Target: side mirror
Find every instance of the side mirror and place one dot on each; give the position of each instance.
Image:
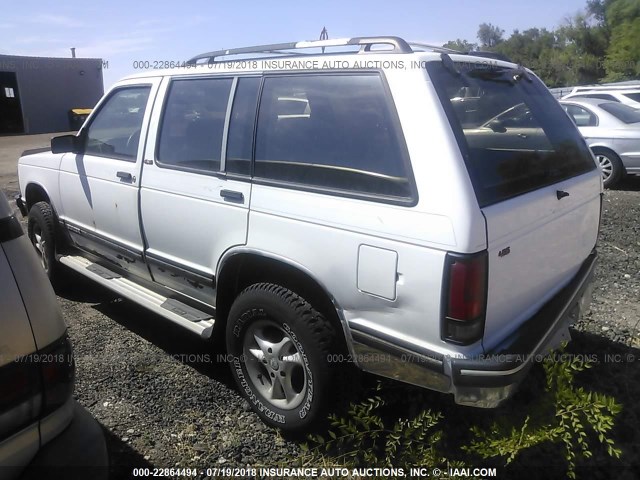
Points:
(497, 126)
(65, 144)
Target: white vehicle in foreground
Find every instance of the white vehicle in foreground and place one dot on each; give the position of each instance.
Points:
(371, 221)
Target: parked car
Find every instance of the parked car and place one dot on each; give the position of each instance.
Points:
(612, 130)
(626, 94)
(374, 228)
(41, 426)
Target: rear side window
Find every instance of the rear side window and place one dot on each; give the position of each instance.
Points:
(333, 132)
(624, 113)
(633, 96)
(514, 136)
(193, 122)
(581, 116)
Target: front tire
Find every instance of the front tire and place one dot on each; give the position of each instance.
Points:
(610, 166)
(279, 347)
(41, 233)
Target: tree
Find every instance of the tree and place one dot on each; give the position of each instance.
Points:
(600, 44)
(621, 20)
(489, 35)
(621, 11)
(461, 45)
(588, 43)
(597, 9)
(526, 47)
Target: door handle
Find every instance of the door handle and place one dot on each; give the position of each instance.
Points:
(561, 194)
(232, 195)
(126, 176)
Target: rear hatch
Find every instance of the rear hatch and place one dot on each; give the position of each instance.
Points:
(535, 180)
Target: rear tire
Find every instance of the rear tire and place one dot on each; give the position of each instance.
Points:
(610, 166)
(41, 233)
(279, 348)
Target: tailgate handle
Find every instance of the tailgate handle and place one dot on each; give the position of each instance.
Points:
(561, 194)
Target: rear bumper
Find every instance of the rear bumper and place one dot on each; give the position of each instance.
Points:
(79, 452)
(488, 379)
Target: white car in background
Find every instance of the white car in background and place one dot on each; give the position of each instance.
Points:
(627, 95)
(612, 131)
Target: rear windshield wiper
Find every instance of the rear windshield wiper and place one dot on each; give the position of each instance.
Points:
(508, 75)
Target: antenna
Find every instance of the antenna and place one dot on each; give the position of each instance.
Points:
(324, 35)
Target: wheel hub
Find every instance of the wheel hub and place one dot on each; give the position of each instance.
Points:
(274, 364)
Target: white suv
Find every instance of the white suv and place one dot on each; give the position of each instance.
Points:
(334, 207)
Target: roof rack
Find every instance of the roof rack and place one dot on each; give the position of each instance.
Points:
(366, 43)
(421, 47)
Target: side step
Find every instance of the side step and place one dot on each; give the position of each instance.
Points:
(188, 317)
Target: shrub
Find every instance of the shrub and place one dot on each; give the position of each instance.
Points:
(371, 433)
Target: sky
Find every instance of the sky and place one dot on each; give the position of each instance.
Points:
(125, 32)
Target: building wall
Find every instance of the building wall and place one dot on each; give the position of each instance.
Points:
(50, 87)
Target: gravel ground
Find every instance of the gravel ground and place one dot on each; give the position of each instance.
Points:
(166, 399)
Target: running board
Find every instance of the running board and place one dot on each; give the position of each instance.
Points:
(188, 317)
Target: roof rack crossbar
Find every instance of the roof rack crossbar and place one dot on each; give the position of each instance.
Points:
(399, 46)
(434, 48)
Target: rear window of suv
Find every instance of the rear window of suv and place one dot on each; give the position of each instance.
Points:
(514, 135)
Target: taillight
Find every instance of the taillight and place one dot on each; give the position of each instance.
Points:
(20, 398)
(465, 297)
(32, 386)
(58, 374)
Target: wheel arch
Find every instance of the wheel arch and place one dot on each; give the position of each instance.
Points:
(34, 193)
(603, 146)
(242, 267)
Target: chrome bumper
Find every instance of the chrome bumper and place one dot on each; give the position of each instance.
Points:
(487, 380)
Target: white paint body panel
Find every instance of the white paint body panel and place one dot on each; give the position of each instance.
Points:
(548, 240)
(185, 219)
(377, 271)
(92, 195)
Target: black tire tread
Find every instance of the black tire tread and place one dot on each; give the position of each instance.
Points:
(319, 334)
(319, 326)
(42, 211)
(619, 171)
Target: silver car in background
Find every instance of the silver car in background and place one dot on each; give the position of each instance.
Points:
(612, 131)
